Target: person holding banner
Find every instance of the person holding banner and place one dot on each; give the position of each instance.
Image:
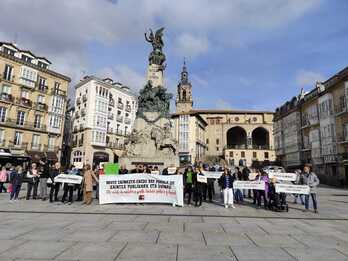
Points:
(54, 185)
(311, 179)
(198, 187)
(263, 193)
(69, 188)
(226, 183)
(89, 176)
(298, 181)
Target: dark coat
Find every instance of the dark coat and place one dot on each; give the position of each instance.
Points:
(223, 181)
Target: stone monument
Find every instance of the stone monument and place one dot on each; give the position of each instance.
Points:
(152, 141)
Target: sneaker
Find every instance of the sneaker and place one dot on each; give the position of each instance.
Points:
(316, 211)
(226, 206)
(232, 206)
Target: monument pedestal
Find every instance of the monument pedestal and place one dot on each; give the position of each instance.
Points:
(151, 143)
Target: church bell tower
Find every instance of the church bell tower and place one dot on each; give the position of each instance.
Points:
(184, 100)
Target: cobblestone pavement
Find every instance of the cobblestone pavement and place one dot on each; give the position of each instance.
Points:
(37, 230)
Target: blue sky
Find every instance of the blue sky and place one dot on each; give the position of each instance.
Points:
(240, 54)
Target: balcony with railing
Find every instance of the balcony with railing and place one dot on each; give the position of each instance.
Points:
(341, 107)
(42, 88)
(120, 105)
(128, 108)
(6, 97)
(20, 146)
(78, 100)
(75, 129)
(342, 137)
(51, 148)
(119, 118)
(127, 120)
(25, 102)
(58, 92)
(81, 127)
(83, 112)
(23, 125)
(36, 147)
(111, 102)
(80, 142)
(7, 78)
(40, 106)
(110, 116)
(115, 145)
(84, 97)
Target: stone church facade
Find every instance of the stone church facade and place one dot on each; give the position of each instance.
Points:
(238, 137)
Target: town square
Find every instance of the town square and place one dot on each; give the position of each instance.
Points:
(173, 130)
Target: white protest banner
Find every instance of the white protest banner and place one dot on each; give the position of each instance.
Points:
(141, 188)
(202, 179)
(212, 174)
(66, 178)
(282, 176)
(259, 185)
(292, 189)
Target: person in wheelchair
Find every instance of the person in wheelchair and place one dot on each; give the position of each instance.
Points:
(277, 201)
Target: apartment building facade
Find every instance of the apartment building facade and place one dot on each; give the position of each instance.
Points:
(321, 129)
(105, 112)
(32, 104)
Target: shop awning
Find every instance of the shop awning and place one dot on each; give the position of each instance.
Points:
(52, 156)
(4, 153)
(35, 156)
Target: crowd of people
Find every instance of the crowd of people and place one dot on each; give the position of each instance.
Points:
(269, 197)
(40, 177)
(40, 182)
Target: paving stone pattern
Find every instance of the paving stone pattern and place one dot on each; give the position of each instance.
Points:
(36, 230)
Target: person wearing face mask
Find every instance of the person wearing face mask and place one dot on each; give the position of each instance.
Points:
(310, 179)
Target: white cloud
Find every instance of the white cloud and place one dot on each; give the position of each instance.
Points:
(62, 30)
(124, 75)
(191, 46)
(308, 78)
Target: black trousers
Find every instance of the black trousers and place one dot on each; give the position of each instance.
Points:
(261, 194)
(68, 190)
(198, 195)
(2, 187)
(79, 192)
(204, 190)
(210, 190)
(54, 191)
(32, 186)
(188, 190)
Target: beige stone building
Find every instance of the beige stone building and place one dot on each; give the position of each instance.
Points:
(320, 129)
(104, 115)
(32, 104)
(242, 138)
(238, 137)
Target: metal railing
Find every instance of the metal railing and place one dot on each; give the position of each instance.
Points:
(120, 106)
(128, 108)
(119, 118)
(25, 125)
(22, 146)
(6, 97)
(115, 145)
(127, 120)
(40, 106)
